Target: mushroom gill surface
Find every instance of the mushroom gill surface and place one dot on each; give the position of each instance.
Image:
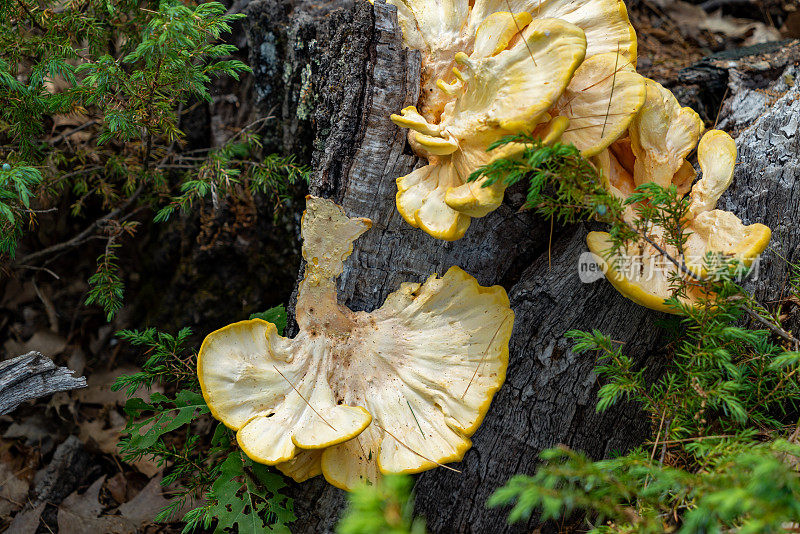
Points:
(356, 394)
(555, 70)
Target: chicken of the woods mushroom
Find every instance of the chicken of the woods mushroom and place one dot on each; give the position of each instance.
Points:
(641, 272)
(558, 70)
(356, 394)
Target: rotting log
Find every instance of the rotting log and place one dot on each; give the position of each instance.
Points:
(359, 74)
(31, 376)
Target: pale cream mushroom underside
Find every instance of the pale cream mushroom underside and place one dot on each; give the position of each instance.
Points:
(440, 29)
(356, 394)
(642, 274)
(541, 85)
(659, 139)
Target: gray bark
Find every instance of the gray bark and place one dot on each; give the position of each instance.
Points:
(762, 111)
(766, 185)
(31, 376)
(362, 74)
(718, 85)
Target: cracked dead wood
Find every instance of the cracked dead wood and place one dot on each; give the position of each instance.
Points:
(31, 376)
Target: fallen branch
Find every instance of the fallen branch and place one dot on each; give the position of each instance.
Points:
(31, 376)
(71, 132)
(775, 329)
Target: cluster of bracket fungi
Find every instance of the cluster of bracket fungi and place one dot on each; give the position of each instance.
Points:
(401, 389)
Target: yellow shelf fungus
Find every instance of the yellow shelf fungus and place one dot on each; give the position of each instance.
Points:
(356, 394)
(641, 272)
(559, 70)
(659, 138)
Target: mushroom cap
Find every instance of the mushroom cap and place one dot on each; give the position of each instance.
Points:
(494, 96)
(643, 275)
(492, 68)
(276, 401)
(600, 102)
(659, 139)
(605, 22)
(358, 394)
(662, 135)
(442, 28)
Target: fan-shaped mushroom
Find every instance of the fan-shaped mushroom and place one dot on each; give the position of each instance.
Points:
(642, 273)
(512, 72)
(440, 29)
(659, 138)
(354, 394)
(495, 96)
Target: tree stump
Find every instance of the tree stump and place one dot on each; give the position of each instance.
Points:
(360, 73)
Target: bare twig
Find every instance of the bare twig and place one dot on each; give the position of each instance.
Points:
(667, 255)
(85, 170)
(304, 399)
(684, 440)
(519, 30)
(34, 268)
(711, 5)
(52, 314)
(36, 212)
(69, 133)
(250, 126)
(374, 422)
(658, 435)
(775, 329)
(664, 444)
(483, 356)
(611, 95)
(81, 237)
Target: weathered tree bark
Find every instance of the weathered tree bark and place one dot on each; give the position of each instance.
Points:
(31, 376)
(762, 111)
(360, 75)
(766, 184)
(740, 73)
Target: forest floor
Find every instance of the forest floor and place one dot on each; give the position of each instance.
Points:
(60, 470)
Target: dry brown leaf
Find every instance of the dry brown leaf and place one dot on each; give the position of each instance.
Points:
(117, 486)
(756, 32)
(48, 343)
(71, 119)
(13, 491)
(27, 521)
(791, 27)
(107, 436)
(79, 514)
(691, 20)
(77, 361)
(146, 467)
(99, 388)
(17, 293)
(106, 439)
(146, 505)
(61, 400)
(33, 429)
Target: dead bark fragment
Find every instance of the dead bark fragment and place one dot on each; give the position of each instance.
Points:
(31, 376)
